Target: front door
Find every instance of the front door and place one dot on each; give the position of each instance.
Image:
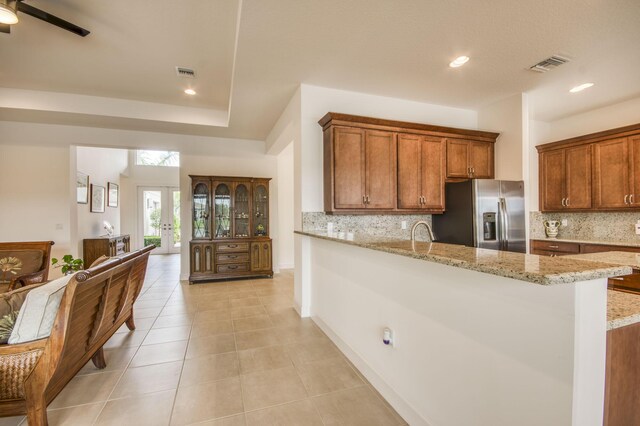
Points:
(159, 221)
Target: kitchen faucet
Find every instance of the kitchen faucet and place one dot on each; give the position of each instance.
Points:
(429, 230)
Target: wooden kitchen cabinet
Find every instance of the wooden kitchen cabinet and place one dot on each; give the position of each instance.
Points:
(366, 171)
(470, 159)
(595, 172)
(261, 256)
(420, 173)
(616, 173)
(565, 179)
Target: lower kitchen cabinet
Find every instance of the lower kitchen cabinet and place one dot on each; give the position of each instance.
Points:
(622, 377)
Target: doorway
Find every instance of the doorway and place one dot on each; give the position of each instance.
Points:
(159, 218)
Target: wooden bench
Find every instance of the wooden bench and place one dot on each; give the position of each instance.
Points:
(96, 302)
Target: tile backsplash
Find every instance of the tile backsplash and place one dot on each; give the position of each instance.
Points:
(374, 225)
(599, 226)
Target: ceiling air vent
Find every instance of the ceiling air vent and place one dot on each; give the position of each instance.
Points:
(549, 63)
(185, 72)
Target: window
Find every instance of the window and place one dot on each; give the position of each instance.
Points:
(157, 158)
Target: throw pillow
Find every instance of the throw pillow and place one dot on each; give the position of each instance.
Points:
(39, 311)
(98, 261)
(19, 262)
(13, 300)
(7, 322)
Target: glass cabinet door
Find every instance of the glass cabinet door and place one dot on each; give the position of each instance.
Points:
(241, 212)
(201, 211)
(260, 210)
(222, 211)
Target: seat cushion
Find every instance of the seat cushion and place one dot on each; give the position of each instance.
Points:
(39, 311)
(19, 262)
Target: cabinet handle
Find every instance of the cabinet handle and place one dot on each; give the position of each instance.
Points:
(368, 202)
(625, 199)
(232, 267)
(553, 247)
(631, 199)
(364, 199)
(562, 202)
(232, 257)
(567, 202)
(232, 245)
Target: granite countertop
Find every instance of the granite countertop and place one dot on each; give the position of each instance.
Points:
(603, 242)
(622, 309)
(532, 268)
(623, 258)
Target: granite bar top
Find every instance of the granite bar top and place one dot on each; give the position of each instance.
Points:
(602, 242)
(532, 268)
(622, 309)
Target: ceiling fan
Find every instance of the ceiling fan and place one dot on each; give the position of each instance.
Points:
(9, 15)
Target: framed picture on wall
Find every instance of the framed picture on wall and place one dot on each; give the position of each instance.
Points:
(97, 198)
(82, 188)
(113, 191)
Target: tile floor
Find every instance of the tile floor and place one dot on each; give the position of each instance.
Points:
(218, 354)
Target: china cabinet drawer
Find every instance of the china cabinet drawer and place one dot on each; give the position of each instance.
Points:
(235, 247)
(234, 267)
(232, 258)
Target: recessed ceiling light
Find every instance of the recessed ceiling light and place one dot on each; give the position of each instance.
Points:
(581, 87)
(190, 92)
(7, 14)
(459, 61)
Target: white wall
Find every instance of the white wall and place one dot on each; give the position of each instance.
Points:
(249, 163)
(103, 165)
(471, 348)
(285, 207)
(134, 177)
(507, 118)
(35, 195)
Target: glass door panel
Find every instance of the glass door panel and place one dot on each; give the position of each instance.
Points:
(260, 211)
(176, 234)
(152, 218)
(241, 211)
(222, 211)
(200, 211)
(160, 219)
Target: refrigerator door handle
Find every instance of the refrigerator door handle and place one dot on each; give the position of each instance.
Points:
(504, 224)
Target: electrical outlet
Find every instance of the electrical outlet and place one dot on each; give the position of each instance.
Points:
(564, 222)
(403, 224)
(59, 227)
(638, 227)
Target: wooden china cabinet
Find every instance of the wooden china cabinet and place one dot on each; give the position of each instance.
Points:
(230, 228)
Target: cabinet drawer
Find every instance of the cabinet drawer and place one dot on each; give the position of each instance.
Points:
(627, 283)
(556, 246)
(232, 247)
(232, 258)
(232, 267)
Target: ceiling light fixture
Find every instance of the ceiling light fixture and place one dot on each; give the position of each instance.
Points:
(190, 92)
(7, 14)
(581, 87)
(459, 61)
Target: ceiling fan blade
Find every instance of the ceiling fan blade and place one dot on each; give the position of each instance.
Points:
(5, 28)
(54, 20)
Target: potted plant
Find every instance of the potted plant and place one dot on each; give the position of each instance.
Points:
(69, 265)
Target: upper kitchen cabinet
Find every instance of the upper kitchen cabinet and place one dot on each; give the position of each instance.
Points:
(420, 173)
(385, 166)
(600, 171)
(470, 159)
(565, 179)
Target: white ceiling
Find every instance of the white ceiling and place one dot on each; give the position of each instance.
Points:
(390, 48)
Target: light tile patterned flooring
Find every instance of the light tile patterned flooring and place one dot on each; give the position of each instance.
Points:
(218, 354)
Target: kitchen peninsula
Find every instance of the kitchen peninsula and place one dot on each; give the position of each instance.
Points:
(512, 338)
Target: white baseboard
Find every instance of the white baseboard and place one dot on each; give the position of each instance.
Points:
(287, 266)
(184, 277)
(403, 408)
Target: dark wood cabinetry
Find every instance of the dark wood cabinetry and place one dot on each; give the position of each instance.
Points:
(230, 215)
(93, 248)
(470, 159)
(384, 166)
(599, 172)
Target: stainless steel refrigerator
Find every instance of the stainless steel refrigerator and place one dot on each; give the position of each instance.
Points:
(483, 213)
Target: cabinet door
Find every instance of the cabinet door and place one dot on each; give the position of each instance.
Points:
(611, 173)
(409, 158)
(481, 159)
(261, 256)
(349, 168)
(432, 173)
(457, 158)
(552, 180)
(578, 177)
(202, 258)
(380, 151)
(634, 170)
